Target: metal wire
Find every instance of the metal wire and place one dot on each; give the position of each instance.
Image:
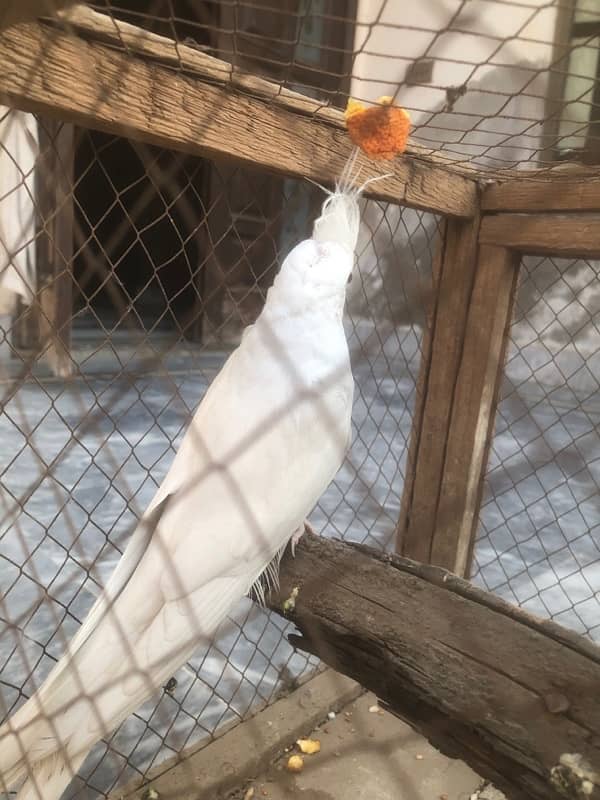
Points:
(138, 268)
(502, 85)
(171, 258)
(538, 542)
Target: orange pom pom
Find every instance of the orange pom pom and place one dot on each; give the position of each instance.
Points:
(381, 131)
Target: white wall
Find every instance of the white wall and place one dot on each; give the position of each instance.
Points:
(18, 152)
(498, 67)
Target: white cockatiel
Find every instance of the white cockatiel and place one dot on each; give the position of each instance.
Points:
(264, 444)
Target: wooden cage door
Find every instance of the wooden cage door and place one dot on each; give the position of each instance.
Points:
(457, 393)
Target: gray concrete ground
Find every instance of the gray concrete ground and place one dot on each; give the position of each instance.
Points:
(367, 754)
(80, 459)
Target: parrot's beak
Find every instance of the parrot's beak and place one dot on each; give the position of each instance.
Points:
(349, 278)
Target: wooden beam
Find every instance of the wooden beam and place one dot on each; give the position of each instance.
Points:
(43, 69)
(421, 388)
(54, 251)
(161, 49)
(13, 12)
(437, 384)
(569, 235)
(474, 408)
(528, 196)
(486, 682)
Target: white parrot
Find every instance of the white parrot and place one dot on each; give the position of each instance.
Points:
(264, 444)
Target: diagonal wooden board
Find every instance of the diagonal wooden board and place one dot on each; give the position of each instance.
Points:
(47, 69)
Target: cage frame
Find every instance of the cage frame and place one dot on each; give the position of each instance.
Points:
(476, 268)
(489, 224)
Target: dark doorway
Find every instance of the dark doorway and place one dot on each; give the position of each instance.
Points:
(138, 216)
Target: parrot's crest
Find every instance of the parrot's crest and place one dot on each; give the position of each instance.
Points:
(340, 216)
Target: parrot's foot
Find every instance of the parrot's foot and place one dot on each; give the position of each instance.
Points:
(296, 536)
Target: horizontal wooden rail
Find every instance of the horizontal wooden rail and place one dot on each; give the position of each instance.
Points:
(46, 69)
(554, 194)
(568, 235)
(515, 697)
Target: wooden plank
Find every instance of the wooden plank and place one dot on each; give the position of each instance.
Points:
(484, 681)
(474, 405)
(569, 235)
(13, 12)
(46, 70)
(556, 194)
(54, 246)
(421, 389)
(192, 61)
(439, 371)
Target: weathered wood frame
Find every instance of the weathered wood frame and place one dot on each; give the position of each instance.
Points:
(484, 681)
(143, 86)
(131, 82)
(84, 70)
(173, 96)
(463, 353)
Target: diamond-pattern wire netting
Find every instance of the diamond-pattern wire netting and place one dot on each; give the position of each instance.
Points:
(539, 538)
(495, 84)
(171, 257)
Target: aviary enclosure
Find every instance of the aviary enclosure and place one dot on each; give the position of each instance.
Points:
(156, 161)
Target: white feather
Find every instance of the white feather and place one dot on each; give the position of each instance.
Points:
(265, 442)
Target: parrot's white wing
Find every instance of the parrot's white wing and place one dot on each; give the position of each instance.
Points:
(267, 439)
(138, 543)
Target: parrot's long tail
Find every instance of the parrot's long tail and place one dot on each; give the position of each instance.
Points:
(340, 215)
(50, 777)
(29, 750)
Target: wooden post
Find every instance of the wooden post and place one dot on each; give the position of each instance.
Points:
(43, 329)
(439, 368)
(458, 391)
(474, 408)
(54, 252)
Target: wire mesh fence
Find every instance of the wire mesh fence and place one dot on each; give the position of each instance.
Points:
(171, 258)
(538, 543)
(129, 272)
(492, 84)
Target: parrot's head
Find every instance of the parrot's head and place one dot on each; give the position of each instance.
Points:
(315, 271)
(318, 269)
(340, 216)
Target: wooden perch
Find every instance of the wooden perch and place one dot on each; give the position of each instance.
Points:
(135, 91)
(516, 697)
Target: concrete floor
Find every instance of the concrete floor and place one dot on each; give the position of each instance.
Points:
(368, 755)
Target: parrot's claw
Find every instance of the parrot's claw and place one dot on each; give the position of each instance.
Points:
(296, 536)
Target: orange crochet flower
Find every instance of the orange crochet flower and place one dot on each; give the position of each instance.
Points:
(381, 131)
